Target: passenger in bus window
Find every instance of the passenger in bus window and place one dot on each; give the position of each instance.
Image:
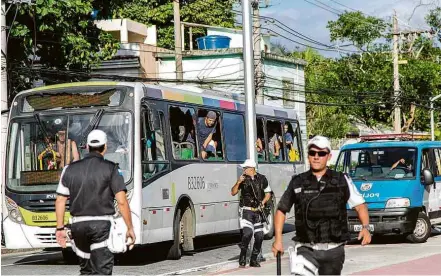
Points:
(288, 136)
(274, 147)
(206, 130)
(67, 150)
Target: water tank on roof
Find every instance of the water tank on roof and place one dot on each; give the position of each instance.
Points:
(213, 42)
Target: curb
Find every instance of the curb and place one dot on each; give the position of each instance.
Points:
(24, 252)
(219, 267)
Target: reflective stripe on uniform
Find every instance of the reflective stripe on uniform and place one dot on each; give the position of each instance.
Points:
(79, 252)
(98, 245)
(246, 223)
(90, 218)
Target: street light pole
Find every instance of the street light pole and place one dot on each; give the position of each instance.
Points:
(248, 61)
(432, 120)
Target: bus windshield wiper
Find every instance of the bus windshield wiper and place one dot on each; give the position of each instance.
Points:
(93, 123)
(43, 129)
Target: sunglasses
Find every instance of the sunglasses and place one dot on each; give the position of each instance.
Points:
(320, 153)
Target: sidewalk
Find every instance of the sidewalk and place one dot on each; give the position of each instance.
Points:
(424, 266)
(375, 259)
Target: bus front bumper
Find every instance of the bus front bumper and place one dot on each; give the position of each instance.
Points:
(386, 221)
(20, 236)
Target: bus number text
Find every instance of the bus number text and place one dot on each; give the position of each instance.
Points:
(196, 183)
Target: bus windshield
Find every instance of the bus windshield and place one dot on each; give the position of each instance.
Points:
(379, 163)
(42, 145)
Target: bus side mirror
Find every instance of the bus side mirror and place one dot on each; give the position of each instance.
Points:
(427, 177)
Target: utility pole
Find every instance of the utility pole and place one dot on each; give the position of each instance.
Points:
(178, 47)
(250, 114)
(257, 52)
(397, 112)
(4, 99)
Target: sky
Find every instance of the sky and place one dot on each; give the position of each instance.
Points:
(311, 20)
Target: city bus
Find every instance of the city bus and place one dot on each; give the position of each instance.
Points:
(153, 134)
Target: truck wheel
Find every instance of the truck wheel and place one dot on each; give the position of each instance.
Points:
(270, 234)
(422, 229)
(69, 256)
(175, 251)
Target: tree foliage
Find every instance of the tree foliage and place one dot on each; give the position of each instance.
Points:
(362, 84)
(357, 28)
(58, 34)
(160, 13)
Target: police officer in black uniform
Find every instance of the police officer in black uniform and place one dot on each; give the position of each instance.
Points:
(319, 197)
(255, 192)
(92, 184)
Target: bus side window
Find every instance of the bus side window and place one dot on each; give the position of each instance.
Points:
(182, 129)
(261, 142)
(291, 135)
(209, 135)
(234, 135)
(275, 141)
(153, 149)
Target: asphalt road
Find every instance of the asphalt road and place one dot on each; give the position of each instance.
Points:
(210, 252)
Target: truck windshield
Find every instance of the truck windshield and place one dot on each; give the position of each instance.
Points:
(380, 163)
(41, 146)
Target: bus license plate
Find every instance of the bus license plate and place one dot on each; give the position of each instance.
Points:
(40, 217)
(358, 227)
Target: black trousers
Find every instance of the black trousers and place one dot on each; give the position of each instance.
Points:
(97, 261)
(251, 223)
(328, 262)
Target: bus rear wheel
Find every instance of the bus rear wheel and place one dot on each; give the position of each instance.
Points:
(270, 217)
(422, 229)
(182, 233)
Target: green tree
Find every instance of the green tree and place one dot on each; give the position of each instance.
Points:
(58, 35)
(357, 28)
(160, 13)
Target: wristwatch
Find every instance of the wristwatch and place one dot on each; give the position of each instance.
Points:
(59, 229)
(366, 227)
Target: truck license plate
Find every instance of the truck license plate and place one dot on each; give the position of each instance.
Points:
(358, 227)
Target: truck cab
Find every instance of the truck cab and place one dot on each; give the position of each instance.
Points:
(400, 182)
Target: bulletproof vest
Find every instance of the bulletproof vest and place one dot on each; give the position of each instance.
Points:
(320, 208)
(247, 197)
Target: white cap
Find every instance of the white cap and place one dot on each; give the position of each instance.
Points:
(320, 142)
(248, 164)
(96, 138)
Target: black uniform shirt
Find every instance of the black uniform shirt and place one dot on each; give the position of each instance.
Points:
(91, 184)
(289, 196)
(260, 185)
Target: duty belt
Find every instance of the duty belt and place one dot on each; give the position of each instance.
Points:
(89, 218)
(250, 208)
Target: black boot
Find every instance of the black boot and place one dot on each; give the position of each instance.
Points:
(242, 258)
(253, 261)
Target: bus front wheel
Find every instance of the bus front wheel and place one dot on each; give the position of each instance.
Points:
(422, 229)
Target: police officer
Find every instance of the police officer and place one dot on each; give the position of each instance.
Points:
(92, 184)
(255, 192)
(319, 197)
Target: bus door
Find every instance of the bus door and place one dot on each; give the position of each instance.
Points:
(157, 190)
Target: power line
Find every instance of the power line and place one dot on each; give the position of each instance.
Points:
(323, 8)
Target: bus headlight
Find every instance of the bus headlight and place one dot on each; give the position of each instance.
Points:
(398, 202)
(13, 211)
(129, 195)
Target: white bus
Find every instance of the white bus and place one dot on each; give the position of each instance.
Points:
(153, 135)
